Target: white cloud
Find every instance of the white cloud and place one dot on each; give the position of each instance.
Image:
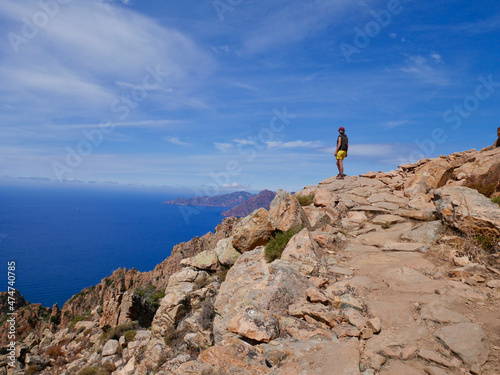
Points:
(294, 144)
(425, 71)
(177, 141)
(437, 57)
(395, 124)
(243, 141)
(224, 147)
(235, 185)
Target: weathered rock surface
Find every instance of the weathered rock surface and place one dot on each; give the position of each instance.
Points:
(287, 213)
(254, 230)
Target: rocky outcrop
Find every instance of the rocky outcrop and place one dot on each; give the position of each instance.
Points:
(261, 200)
(369, 285)
(467, 210)
(226, 200)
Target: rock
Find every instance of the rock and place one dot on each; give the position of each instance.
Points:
(435, 371)
(320, 218)
(493, 284)
(206, 260)
(302, 248)
(484, 167)
(416, 214)
(347, 301)
(467, 210)
(298, 329)
(399, 368)
(287, 213)
(371, 209)
(428, 177)
(235, 357)
(346, 330)
(406, 246)
(428, 233)
(111, 348)
(374, 324)
(366, 333)
(432, 356)
(253, 231)
(369, 175)
(255, 324)
(315, 295)
(226, 253)
(354, 220)
(355, 318)
(439, 314)
(325, 198)
(318, 312)
(197, 368)
(466, 340)
(332, 358)
(386, 220)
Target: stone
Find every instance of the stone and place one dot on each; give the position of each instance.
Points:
(432, 356)
(406, 246)
(399, 368)
(428, 177)
(315, 295)
(467, 210)
(318, 312)
(111, 348)
(298, 329)
(435, 371)
(493, 284)
(387, 205)
(374, 324)
(206, 260)
(440, 314)
(466, 340)
(253, 231)
(286, 212)
(346, 330)
(325, 198)
(371, 209)
(226, 253)
(301, 247)
(387, 220)
(355, 318)
(197, 368)
(235, 357)
(347, 301)
(333, 358)
(255, 324)
(428, 233)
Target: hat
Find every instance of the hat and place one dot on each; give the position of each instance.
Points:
(341, 129)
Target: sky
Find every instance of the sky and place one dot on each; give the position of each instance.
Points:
(214, 96)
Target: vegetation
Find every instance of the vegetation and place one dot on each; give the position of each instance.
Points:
(496, 200)
(130, 335)
(92, 370)
(150, 295)
(75, 320)
(277, 244)
(120, 330)
(305, 200)
(222, 272)
(55, 352)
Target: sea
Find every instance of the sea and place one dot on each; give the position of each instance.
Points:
(64, 239)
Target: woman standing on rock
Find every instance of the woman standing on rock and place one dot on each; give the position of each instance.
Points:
(341, 152)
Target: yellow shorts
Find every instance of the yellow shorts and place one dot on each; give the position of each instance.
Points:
(341, 155)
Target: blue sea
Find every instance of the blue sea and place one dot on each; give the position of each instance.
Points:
(64, 239)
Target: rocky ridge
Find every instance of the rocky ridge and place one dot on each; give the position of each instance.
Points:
(378, 281)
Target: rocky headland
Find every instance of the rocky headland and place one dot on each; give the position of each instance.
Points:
(391, 273)
(226, 200)
(261, 200)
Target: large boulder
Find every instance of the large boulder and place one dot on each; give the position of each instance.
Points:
(301, 248)
(253, 231)
(287, 213)
(483, 168)
(226, 253)
(467, 210)
(428, 177)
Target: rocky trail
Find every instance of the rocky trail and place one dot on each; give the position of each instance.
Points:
(384, 275)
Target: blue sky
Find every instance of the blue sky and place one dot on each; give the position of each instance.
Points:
(216, 96)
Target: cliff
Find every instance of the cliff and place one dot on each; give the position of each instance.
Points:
(227, 200)
(385, 273)
(261, 200)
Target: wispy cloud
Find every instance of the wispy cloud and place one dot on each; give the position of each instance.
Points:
(177, 141)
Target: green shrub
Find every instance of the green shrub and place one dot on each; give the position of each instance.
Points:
(277, 244)
(118, 331)
(305, 200)
(496, 200)
(150, 295)
(75, 320)
(91, 370)
(130, 335)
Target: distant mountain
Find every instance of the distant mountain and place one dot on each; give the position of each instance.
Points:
(261, 200)
(227, 200)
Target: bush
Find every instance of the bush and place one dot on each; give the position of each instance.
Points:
(55, 352)
(277, 244)
(75, 320)
(91, 370)
(150, 295)
(305, 200)
(130, 335)
(118, 331)
(496, 200)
